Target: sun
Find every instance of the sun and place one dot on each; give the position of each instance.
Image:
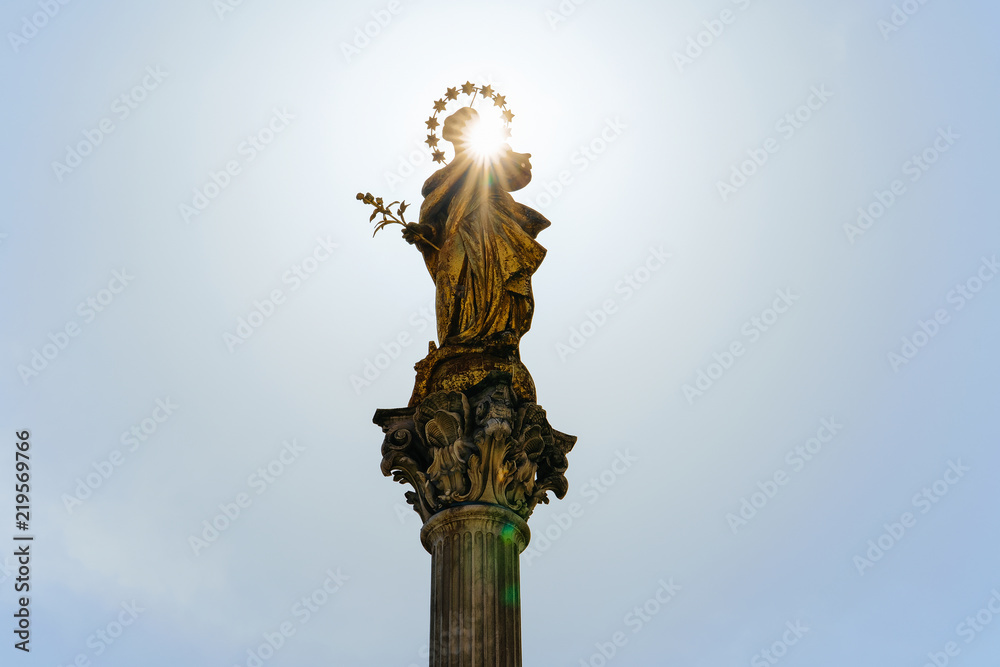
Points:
(485, 138)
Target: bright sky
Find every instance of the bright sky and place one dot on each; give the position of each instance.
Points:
(767, 311)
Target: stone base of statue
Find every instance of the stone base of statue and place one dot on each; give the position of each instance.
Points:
(479, 454)
(456, 367)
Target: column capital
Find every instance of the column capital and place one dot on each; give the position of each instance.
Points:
(478, 445)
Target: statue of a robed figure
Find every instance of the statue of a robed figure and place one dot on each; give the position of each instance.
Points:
(477, 449)
(479, 247)
(484, 250)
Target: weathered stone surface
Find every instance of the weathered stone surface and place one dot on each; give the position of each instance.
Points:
(461, 367)
(484, 444)
(475, 578)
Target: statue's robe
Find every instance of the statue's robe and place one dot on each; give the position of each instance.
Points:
(487, 249)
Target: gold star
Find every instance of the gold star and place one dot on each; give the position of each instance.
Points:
(452, 94)
(431, 140)
(468, 88)
(432, 123)
(438, 156)
(499, 100)
(486, 91)
(508, 114)
(439, 105)
(506, 132)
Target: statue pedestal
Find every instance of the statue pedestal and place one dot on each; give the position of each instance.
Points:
(475, 585)
(479, 458)
(459, 367)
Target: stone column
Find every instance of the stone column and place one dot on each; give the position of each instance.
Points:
(475, 585)
(479, 459)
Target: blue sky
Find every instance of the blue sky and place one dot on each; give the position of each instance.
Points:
(711, 312)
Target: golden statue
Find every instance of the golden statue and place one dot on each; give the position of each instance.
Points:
(479, 247)
(484, 250)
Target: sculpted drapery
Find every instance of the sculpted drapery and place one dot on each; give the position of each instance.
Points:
(486, 246)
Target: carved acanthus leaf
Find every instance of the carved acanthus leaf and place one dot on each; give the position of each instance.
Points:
(477, 446)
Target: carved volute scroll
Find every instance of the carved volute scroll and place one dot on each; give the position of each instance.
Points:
(481, 445)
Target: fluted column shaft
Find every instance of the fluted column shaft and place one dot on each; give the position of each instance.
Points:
(475, 585)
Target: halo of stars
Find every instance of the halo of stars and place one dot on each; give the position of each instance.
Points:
(468, 88)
